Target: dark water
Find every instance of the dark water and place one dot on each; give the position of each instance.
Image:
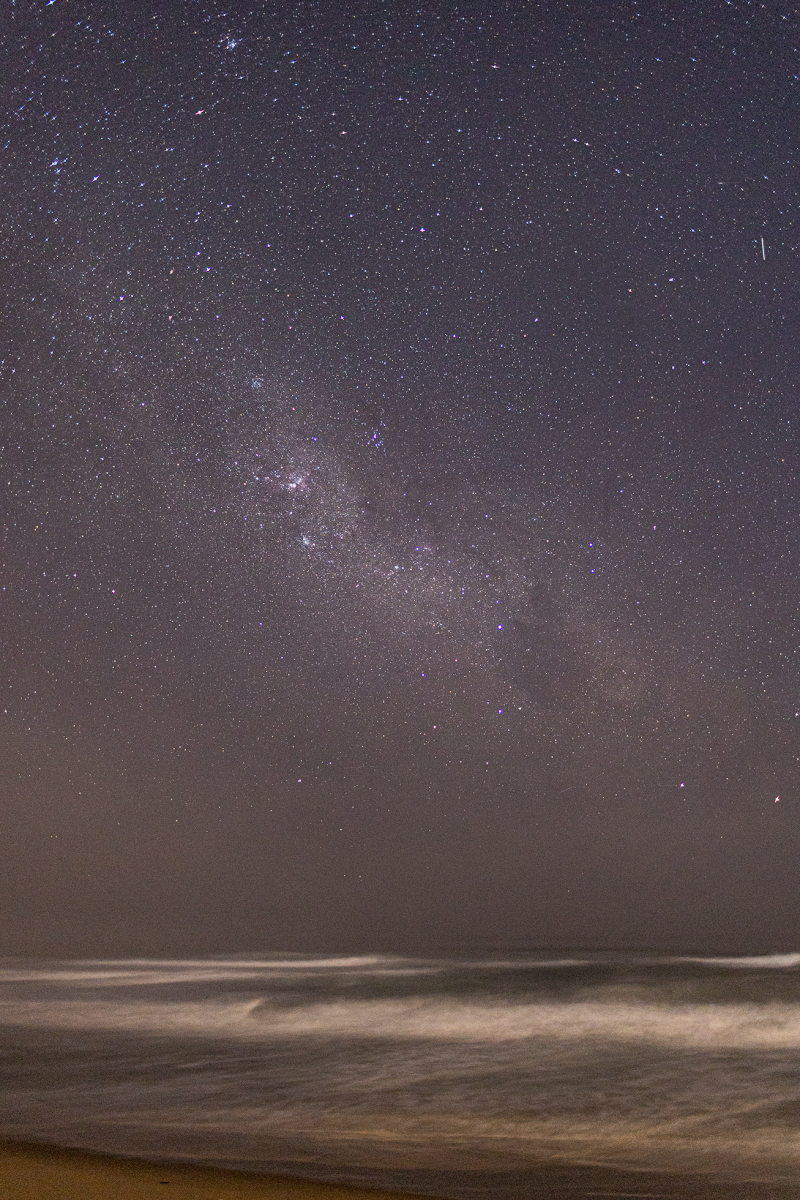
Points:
(407, 1072)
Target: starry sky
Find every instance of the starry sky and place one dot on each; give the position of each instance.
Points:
(398, 411)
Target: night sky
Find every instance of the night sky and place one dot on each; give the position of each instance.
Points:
(400, 475)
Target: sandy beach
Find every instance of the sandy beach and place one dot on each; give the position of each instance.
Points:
(39, 1172)
(32, 1171)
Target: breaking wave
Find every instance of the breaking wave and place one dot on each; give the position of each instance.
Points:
(681, 1063)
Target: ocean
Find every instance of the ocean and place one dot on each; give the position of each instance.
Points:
(452, 1076)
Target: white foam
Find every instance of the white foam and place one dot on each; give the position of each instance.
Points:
(149, 972)
(734, 1026)
(126, 972)
(752, 962)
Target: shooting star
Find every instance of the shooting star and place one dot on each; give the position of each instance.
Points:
(763, 251)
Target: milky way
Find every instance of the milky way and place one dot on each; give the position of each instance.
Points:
(400, 476)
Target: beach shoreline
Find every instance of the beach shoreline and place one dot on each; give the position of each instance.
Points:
(43, 1171)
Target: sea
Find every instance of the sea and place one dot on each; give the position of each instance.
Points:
(453, 1076)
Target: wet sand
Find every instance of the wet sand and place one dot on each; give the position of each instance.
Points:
(37, 1172)
(32, 1171)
